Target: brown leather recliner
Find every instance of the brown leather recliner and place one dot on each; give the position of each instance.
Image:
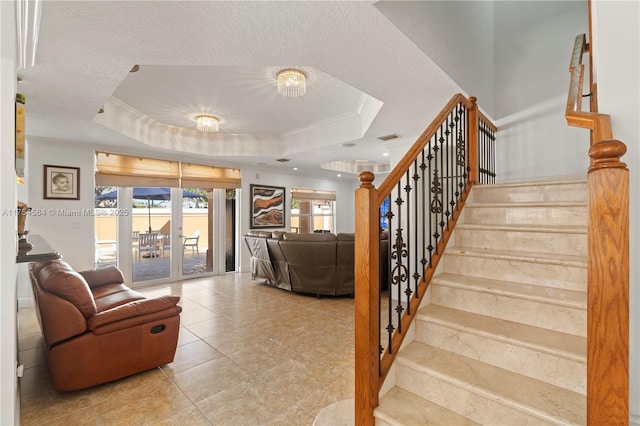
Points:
(96, 329)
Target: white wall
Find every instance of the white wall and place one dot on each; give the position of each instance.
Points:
(456, 35)
(617, 64)
(531, 69)
(9, 399)
(71, 236)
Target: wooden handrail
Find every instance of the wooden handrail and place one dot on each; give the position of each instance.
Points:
(607, 259)
(422, 141)
(371, 368)
(599, 124)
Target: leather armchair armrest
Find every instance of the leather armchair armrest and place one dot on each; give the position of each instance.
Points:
(134, 313)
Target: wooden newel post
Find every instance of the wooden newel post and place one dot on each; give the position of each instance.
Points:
(367, 296)
(473, 141)
(608, 286)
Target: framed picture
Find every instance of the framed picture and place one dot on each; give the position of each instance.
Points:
(267, 206)
(61, 183)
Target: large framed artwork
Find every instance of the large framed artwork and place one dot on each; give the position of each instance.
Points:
(267, 206)
(61, 182)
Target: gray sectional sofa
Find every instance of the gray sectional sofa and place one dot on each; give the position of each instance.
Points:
(320, 264)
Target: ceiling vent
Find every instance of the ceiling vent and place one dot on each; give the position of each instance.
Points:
(283, 160)
(388, 137)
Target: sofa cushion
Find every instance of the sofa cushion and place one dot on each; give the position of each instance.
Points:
(58, 278)
(112, 295)
(137, 308)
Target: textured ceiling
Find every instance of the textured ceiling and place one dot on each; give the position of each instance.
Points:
(366, 79)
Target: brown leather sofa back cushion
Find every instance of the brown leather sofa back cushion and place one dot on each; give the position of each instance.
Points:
(102, 276)
(60, 279)
(291, 236)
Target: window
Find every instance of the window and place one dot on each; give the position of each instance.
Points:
(312, 211)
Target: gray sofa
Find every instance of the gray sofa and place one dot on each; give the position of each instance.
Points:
(319, 263)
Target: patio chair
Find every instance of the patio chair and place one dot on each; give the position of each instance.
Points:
(192, 241)
(147, 242)
(105, 251)
(165, 243)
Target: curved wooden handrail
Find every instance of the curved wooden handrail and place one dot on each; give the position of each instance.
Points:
(608, 255)
(599, 124)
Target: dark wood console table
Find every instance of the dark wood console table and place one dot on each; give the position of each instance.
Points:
(41, 250)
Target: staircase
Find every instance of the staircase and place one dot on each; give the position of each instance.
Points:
(502, 340)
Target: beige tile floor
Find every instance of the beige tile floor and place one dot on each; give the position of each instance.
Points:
(248, 354)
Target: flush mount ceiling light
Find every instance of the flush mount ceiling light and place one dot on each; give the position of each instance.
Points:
(292, 83)
(207, 123)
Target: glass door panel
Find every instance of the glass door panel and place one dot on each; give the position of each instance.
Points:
(105, 227)
(196, 244)
(151, 234)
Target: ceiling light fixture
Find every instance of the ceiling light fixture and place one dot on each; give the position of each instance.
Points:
(207, 123)
(292, 83)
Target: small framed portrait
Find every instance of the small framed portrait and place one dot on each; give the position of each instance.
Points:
(61, 183)
(267, 206)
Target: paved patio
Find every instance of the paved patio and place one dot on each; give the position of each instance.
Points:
(157, 268)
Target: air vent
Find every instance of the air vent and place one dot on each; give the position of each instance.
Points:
(388, 137)
(283, 160)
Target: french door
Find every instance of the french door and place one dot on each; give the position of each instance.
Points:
(179, 235)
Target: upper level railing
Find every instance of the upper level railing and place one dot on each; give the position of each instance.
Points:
(608, 256)
(417, 205)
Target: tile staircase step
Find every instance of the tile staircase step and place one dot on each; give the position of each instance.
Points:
(557, 213)
(547, 355)
(399, 407)
(568, 190)
(556, 309)
(484, 393)
(544, 269)
(546, 239)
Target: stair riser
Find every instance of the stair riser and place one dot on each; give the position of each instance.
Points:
(538, 314)
(537, 242)
(515, 215)
(550, 275)
(570, 192)
(560, 371)
(477, 407)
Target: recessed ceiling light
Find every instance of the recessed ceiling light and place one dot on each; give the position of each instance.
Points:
(385, 154)
(295, 168)
(339, 175)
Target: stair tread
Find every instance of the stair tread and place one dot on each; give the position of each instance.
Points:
(548, 341)
(400, 407)
(512, 204)
(532, 183)
(552, 295)
(529, 395)
(560, 229)
(534, 257)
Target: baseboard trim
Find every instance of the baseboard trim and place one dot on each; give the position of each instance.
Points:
(634, 419)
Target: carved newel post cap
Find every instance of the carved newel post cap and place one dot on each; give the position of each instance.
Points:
(366, 179)
(473, 99)
(607, 154)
